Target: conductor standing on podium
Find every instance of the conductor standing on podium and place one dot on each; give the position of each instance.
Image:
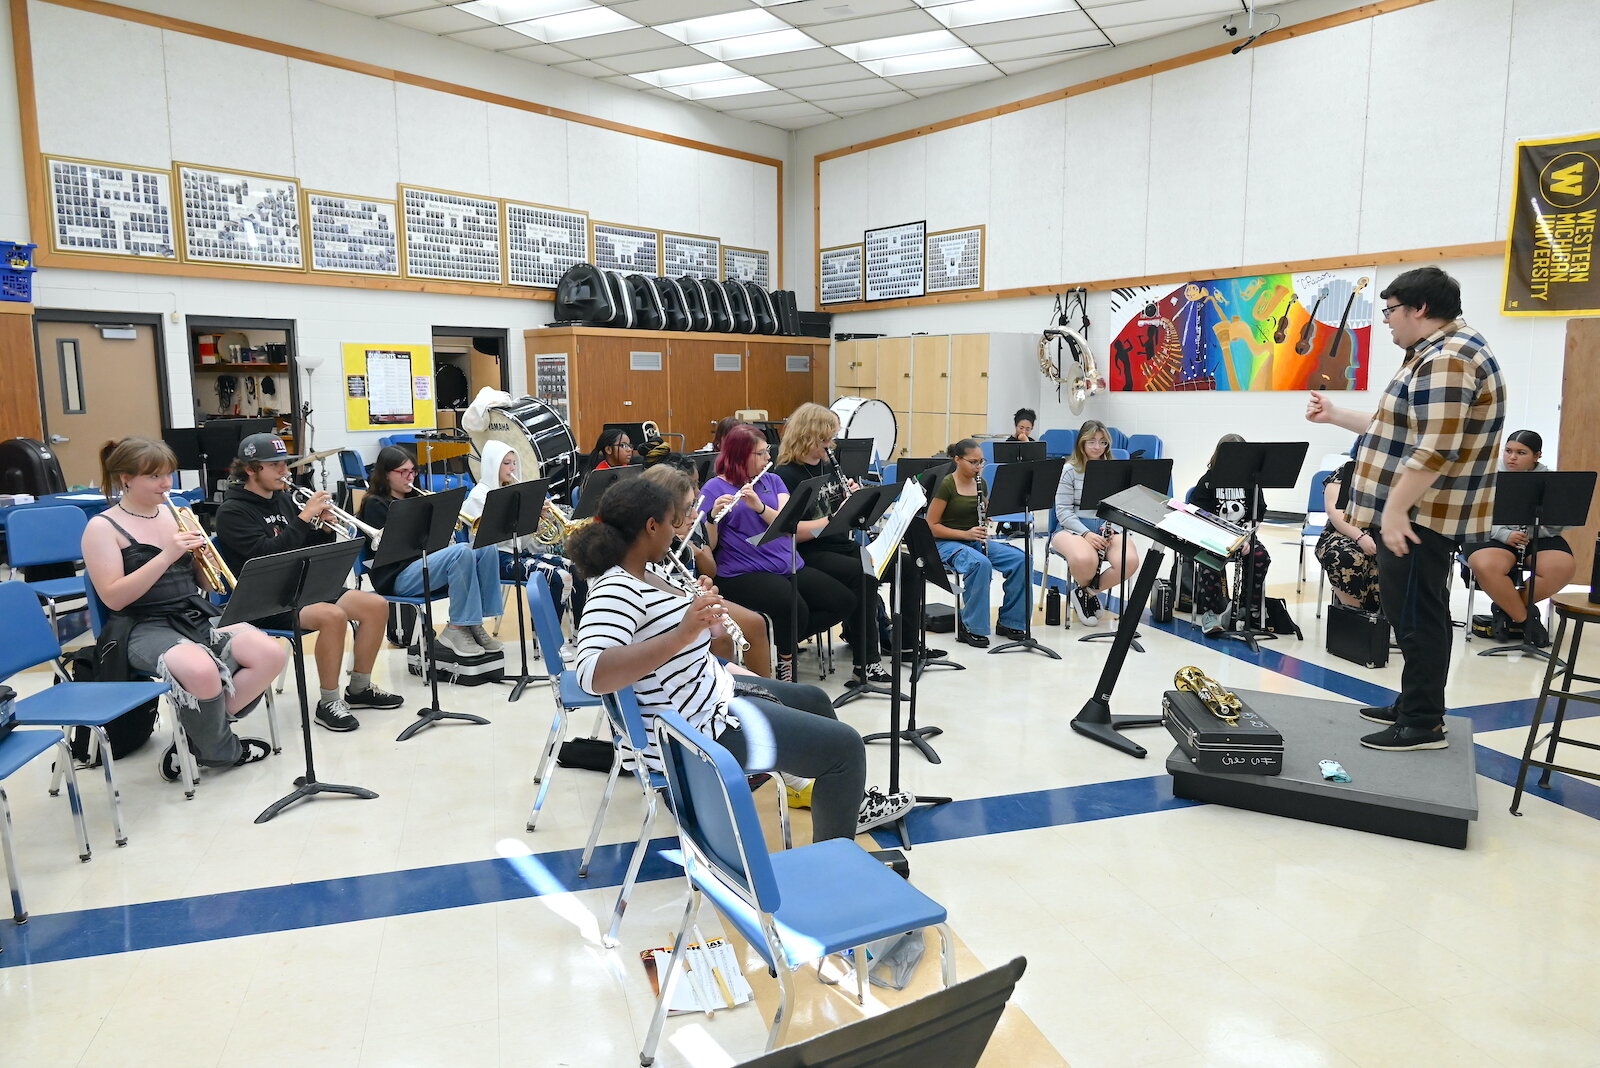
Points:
(1424, 475)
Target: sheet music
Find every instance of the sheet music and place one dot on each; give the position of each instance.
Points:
(698, 988)
(389, 385)
(1200, 531)
(881, 550)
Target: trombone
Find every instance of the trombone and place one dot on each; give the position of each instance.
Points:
(212, 566)
(343, 525)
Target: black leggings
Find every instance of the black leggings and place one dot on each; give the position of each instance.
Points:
(844, 567)
(823, 602)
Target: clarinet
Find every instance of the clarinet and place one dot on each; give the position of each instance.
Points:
(983, 512)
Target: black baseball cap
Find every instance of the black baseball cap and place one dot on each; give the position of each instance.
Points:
(264, 449)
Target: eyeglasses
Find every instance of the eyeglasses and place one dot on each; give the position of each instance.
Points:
(1392, 308)
(1096, 444)
(405, 470)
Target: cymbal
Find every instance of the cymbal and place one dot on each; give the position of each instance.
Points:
(313, 457)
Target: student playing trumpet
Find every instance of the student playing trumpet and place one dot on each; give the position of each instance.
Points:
(258, 517)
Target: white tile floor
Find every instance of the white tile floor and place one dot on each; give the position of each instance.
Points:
(1194, 936)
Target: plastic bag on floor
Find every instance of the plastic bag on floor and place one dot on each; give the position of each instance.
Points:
(892, 961)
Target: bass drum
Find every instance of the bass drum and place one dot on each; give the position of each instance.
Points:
(541, 439)
(864, 417)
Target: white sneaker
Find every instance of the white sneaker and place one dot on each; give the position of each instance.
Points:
(878, 808)
(459, 641)
(489, 642)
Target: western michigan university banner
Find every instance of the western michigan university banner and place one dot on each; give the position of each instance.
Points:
(1550, 246)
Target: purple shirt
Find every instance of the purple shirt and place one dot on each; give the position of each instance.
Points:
(735, 555)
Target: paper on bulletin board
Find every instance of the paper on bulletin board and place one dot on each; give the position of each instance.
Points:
(388, 387)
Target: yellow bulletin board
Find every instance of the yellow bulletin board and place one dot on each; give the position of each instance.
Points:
(388, 387)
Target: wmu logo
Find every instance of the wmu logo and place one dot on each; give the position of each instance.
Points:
(1569, 180)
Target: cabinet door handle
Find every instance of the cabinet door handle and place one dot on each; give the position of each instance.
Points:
(944, 374)
(906, 375)
(983, 374)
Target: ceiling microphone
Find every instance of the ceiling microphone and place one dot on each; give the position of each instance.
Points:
(1242, 45)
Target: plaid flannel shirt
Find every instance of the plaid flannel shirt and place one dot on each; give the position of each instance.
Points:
(1443, 413)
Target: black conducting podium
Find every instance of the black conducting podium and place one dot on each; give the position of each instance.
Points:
(1532, 499)
(419, 527)
(1141, 510)
(1026, 487)
(1106, 478)
(284, 583)
(513, 512)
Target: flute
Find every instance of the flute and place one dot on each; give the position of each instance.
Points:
(690, 584)
(722, 513)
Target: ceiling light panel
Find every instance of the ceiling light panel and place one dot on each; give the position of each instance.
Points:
(501, 12)
(759, 44)
(946, 59)
(589, 22)
(726, 87)
(722, 27)
(979, 12)
(699, 72)
(904, 45)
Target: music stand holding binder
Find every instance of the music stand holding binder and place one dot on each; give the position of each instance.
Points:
(1534, 499)
(595, 486)
(1025, 487)
(1255, 466)
(421, 526)
(1106, 478)
(285, 583)
(514, 512)
(860, 511)
(784, 524)
(854, 456)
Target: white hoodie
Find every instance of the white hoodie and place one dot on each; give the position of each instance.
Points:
(494, 453)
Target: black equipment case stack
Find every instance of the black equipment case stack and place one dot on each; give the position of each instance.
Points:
(1251, 746)
(1357, 636)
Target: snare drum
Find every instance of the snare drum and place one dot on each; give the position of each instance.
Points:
(865, 417)
(541, 439)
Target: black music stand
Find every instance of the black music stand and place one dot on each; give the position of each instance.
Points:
(595, 486)
(854, 456)
(1019, 452)
(860, 511)
(514, 512)
(1026, 487)
(785, 524)
(1138, 509)
(930, 471)
(285, 583)
(704, 466)
(918, 562)
(1105, 478)
(1534, 499)
(421, 526)
(1255, 466)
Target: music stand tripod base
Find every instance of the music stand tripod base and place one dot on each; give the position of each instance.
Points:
(1095, 721)
(916, 736)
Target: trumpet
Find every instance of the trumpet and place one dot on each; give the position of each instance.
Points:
(343, 525)
(685, 579)
(722, 513)
(212, 566)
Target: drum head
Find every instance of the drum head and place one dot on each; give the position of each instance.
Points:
(541, 439)
(863, 417)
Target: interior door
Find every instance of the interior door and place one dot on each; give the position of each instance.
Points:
(1580, 414)
(96, 389)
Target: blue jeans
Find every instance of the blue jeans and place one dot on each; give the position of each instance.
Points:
(976, 569)
(471, 575)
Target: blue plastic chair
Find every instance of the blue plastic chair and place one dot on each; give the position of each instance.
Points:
(352, 469)
(1311, 529)
(27, 640)
(18, 749)
(793, 907)
(986, 446)
(1058, 442)
(1119, 439)
(1149, 444)
(1118, 454)
(564, 688)
(49, 535)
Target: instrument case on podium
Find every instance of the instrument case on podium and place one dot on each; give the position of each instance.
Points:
(1251, 746)
(460, 670)
(1357, 636)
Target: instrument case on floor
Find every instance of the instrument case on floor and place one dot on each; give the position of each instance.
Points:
(1357, 636)
(1251, 746)
(460, 670)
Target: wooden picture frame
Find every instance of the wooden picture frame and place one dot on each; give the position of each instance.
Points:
(896, 261)
(706, 250)
(523, 265)
(841, 273)
(967, 272)
(216, 201)
(747, 265)
(75, 199)
(353, 205)
(430, 249)
(621, 248)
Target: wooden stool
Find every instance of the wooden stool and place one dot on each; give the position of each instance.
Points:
(1577, 609)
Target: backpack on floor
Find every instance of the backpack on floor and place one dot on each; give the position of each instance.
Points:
(127, 733)
(1279, 621)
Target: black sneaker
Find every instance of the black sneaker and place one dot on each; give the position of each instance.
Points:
(930, 653)
(1014, 633)
(1086, 606)
(1386, 715)
(877, 674)
(1398, 739)
(169, 766)
(1503, 628)
(372, 697)
(335, 715)
(977, 641)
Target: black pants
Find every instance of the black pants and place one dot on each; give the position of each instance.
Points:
(823, 602)
(845, 568)
(1414, 598)
(1211, 597)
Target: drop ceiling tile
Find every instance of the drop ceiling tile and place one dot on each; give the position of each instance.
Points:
(1127, 12)
(377, 8)
(1019, 29)
(1042, 47)
(548, 55)
(798, 110)
(616, 44)
(1143, 30)
(588, 68)
(655, 59)
(937, 81)
(815, 75)
(1017, 66)
(842, 90)
(896, 24)
(440, 20)
(855, 105)
(746, 100)
(494, 38)
(816, 12)
(656, 12)
(761, 66)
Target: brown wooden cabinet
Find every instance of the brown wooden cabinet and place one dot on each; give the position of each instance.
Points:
(684, 382)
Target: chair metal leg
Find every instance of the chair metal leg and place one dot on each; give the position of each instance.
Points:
(1322, 577)
(19, 910)
(74, 799)
(600, 813)
(647, 1054)
(188, 770)
(780, 1019)
(1538, 719)
(272, 720)
(860, 957)
(634, 863)
(783, 813)
(546, 768)
(947, 955)
(103, 743)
